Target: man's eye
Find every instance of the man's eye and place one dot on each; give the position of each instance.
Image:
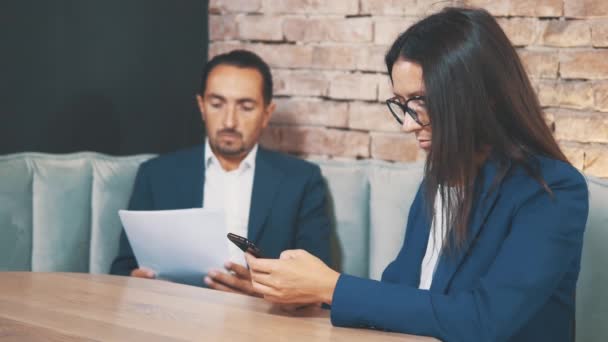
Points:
(248, 108)
(216, 104)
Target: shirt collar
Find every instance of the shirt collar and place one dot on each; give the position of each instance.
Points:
(247, 163)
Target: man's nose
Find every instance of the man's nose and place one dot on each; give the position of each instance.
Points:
(231, 117)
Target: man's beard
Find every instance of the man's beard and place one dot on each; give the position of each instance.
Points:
(229, 149)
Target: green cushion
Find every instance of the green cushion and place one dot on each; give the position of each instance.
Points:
(112, 184)
(15, 214)
(393, 188)
(592, 286)
(59, 213)
(348, 196)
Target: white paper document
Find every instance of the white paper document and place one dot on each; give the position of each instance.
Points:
(179, 245)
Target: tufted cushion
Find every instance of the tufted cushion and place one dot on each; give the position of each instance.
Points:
(59, 213)
(591, 305)
(393, 188)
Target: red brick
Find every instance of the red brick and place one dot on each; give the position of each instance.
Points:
(401, 147)
(371, 58)
(243, 6)
(592, 159)
(316, 140)
(566, 94)
(536, 8)
(599, 33)
(540, 64)
(589, 64)
(354, 30)
(222, 27)
(523, 8)
(354, 87)
(300, 83)
(581, 126)
(303, 111)
(521, 31)
(387, 29)
(345, 7)
(600, 90)
(332, 57)
(550, 120)
(567, 33)
(276, 55)
(371, 117)
(586, 8)
(596, 160)
(547, 92)
(575, 153)
(402, 7)
(216, 48)
(385, 89)
(265, 28)
(497, 8)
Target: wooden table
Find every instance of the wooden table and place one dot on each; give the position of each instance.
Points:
(86, 307)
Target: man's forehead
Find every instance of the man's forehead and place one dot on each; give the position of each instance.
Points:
(235, 82)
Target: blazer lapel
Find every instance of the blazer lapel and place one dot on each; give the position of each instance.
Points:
(266, 181)
(190, 179)
(449, 263)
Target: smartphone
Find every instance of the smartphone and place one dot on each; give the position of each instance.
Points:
(245, 245)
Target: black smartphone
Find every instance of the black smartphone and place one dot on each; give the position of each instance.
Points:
(245, 245)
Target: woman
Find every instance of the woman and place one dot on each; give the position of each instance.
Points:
(494, 236)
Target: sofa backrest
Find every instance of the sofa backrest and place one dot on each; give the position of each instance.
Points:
(59, 213)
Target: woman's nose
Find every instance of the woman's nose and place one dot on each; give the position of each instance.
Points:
(409, 125)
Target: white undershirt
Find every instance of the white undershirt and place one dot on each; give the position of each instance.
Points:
(433, 247)
(230, 191)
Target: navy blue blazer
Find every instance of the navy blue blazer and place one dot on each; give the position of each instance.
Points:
(288, 201)
(514, 280)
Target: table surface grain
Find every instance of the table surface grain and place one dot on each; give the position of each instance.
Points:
(87, 307)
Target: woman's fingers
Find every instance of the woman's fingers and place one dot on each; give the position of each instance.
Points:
(261, 265)
(265, 290)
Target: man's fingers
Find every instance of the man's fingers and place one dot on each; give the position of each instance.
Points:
(225, 278)
(239, 270)
(217, 286)
(143, 273)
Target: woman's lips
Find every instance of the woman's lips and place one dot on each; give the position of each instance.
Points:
(424, 144)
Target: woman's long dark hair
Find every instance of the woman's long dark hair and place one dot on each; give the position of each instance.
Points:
(478, 97)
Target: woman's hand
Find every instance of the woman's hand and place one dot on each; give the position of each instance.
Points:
(296, 277)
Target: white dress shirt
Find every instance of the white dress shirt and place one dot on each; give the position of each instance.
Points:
(230, 191)
(433, 247)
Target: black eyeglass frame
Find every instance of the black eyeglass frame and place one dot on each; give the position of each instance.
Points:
(406, 109)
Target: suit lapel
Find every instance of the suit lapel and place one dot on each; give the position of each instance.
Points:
(266, 181)
(190, 180)
(449, 263)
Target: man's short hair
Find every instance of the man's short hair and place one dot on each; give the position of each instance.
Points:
(241, 59)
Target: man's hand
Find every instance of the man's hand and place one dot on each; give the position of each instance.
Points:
(237, 280)
(143, 273)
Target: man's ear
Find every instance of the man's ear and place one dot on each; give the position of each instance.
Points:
(268, 113)
(201, 105)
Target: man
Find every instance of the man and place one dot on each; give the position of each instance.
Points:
(277, 201)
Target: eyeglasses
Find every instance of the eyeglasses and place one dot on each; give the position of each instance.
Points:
(414, 106)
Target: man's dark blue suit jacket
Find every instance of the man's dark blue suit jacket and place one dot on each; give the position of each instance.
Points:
(288, 201)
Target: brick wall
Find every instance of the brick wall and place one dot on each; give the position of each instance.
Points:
(330, 80)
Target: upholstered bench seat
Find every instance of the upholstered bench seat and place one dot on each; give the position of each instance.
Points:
(59, 213)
